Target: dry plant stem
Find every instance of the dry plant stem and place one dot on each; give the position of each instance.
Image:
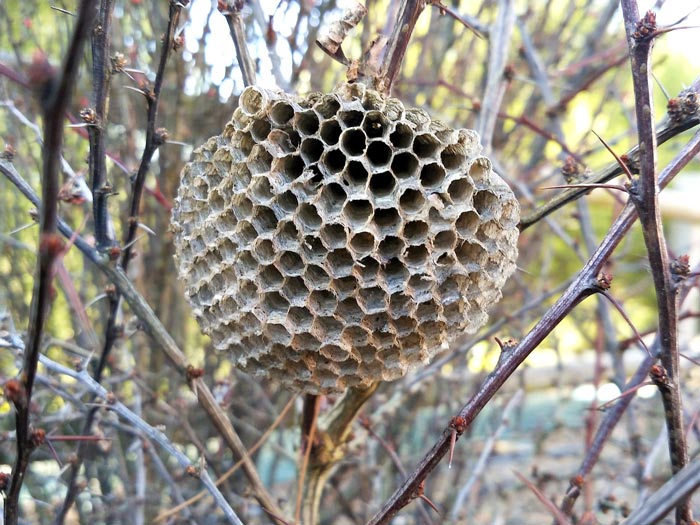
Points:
(582, 286)
(54, 104)
(163, 339)
(148, 431)
(101, 80)
(667, 130)
(332, 431)
(409, 12)
(154, 137)
(644, 195)
(235, 25)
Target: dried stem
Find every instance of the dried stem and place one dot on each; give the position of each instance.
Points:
(163, 339)
(232, 13)
(54, 103)
(644, 193)
(409, 12)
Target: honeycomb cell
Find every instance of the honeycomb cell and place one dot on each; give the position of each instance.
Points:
(340, 239)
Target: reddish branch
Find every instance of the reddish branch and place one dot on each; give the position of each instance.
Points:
(641, 34)
(54, 101)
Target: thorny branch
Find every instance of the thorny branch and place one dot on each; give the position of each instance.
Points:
(55, 98)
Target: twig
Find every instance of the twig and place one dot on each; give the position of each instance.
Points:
(231, 9)
(644, 193)
(148, 431)
(163, 339)
(54, 103)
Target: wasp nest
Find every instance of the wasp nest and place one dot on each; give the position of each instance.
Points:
(337, 240)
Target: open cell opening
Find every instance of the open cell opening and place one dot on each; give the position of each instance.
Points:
(362, 243)
(307, 122)
(391, 247)
(333, 353)
(293, 168)
(333, 236)
(416, 255)
(281, 113)
(485, 202)
(330, 132)
(305, 341)
(246, 263)
(313, 249)
(452, 157)
(379, 153)
(412, 201)
(311, 150)
(404, 165)
(349, 311)
(479, 170)
(367, 270)
(259, 160)
(260, 129)
(288, 235)
(354, 336)
(291, 264)
(353, 142)
(270, 278)
(402, 136)
(242, 207)
(382, 184)
(444, 241)
(295, 290)
(469, 254)
(264, 251)
(327, 106)
(264, 220)
(375, 124)
(400, 305)
(278, 334)
(274, 303)
(287, 202)
(300, 318)
(357, 213)
(322, 302)
(261, 190)
(345, 285)
(467, 224)
(426, 145)
(334, 160)
(395, 275)
(333, 198)
(415, 232)
(432, 175)
(340, 262)
(316, 277)
(355, 173)
(450, 290)
(428, 311)
(308, 217)
(351, 118)
(388, 220)
(252, 100)
(420, 287)
(248, 294)
(372, 299)
(460, 190)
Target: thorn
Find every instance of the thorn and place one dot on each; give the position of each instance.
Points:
(453, 442)
(622, 164)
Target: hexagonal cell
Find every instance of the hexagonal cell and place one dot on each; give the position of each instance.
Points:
(460, 190)
(313, 250)
(332, 199)
(316, 278)
(357, 213)
(403, 326)
(394, 276)
(340, 263)
(307, 122)
(471, 255)
(382, 184)
(246, 264)
(420, 287)
(446, 259)
(294, 290)
(432, 175)
(355, 174)
(362, 244)
(487, 234)
(242, 207)
(333, 160)
(404, 165)
(350, 118)
(333, 236)
(480, 169)
(354, 336)
(353, 142)
(326, 329)
(260, 129)
(264, 220)
(453, 157)
(467, 224)
(270, 279)
(277, 333)
(306, 341)
(415, 232)
(389, 356)
(327, 106)
(281, 113)
(372, 300)
(216, 201)
(402, 136)
(485, 203)
(367, 271)
(261, 189)
(454, 313)
(325, 378)
(322, 302)
(433, 333)
(334, 353)
(349, 312)
(387, 221)
(259, 160)
(344, 286)
(379, 153)
(287, 237)
(411, 201)
(375, 124)
(264, 251)
(290, 263)
(391, 247)
(451, 289)
(289, 168)
(252, 100)
(311, 150)
(307, 218)
(330, 132)
(243, 142)
(444, 241)
(426, 145)
(416, 256)
(428, 311)
(275, 306)
(300, 318)
(286, 202)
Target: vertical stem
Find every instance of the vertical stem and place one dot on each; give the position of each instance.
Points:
(235, 25)
(55, 101)
(641, 34)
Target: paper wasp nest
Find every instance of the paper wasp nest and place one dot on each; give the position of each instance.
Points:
(340, 239)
